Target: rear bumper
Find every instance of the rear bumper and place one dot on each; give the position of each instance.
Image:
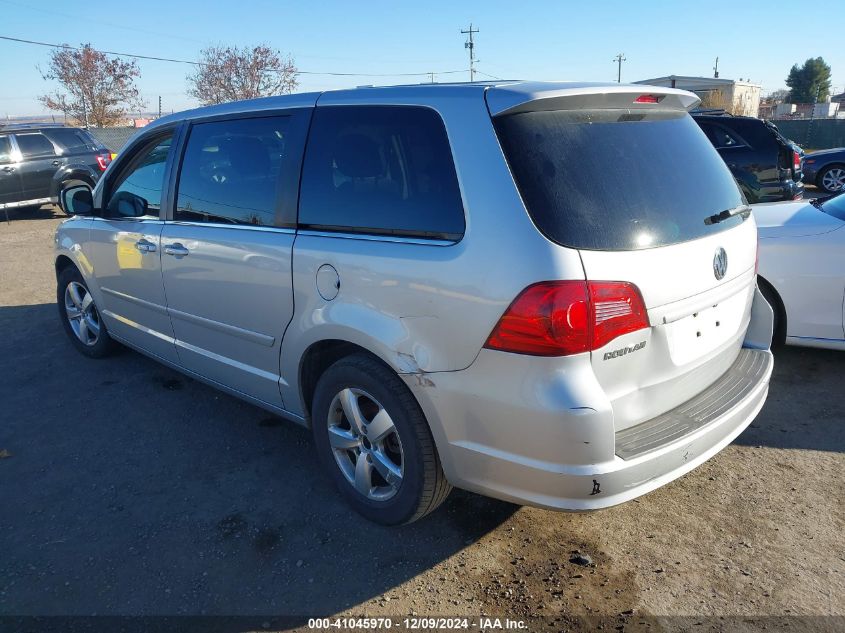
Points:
(535, 444)
(785, 190)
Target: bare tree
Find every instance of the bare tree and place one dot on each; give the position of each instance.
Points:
(95, 88)
(229, 73)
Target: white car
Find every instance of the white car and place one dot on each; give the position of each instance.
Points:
(802, 269)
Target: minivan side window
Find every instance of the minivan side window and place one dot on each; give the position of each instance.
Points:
(230, 171)
(137, 190)
(381, 170)
(32, 145)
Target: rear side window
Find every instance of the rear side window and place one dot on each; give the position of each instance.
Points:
(5, 150)
(618, 180)
(382, 170)
(72, 140)
(231, 170)
(34, 145)
(721, 137)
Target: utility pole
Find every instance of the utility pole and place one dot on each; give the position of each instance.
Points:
(159, 106)
(432, 77)
(619, 59)
(716, 69)
(470, 45)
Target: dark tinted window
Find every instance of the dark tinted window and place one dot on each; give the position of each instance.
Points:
(721, 137)
(614, 180)
(70, 139)
(5, 150)
(137, 190)
(381, 170)
(34, 145)
(231, 170)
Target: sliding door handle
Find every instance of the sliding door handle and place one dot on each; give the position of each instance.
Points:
(176, 249)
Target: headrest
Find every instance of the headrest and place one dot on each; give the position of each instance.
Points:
(247, 155)
(358, 156)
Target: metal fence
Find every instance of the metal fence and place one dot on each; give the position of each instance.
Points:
(113, 137)
(814, 133)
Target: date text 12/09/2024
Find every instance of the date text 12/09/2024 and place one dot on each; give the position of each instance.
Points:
(417, 623)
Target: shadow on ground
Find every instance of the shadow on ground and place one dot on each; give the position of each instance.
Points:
(820, 426)
(131, 489)
(19, 214)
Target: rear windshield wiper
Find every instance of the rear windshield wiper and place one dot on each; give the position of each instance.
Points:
(727, 214)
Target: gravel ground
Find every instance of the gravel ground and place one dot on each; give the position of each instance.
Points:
(128, 489)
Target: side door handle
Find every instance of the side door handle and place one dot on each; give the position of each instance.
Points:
(56, 163)
(145, 246)
(8, 169)
(176, 249)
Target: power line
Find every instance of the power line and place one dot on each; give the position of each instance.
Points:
(196, 63)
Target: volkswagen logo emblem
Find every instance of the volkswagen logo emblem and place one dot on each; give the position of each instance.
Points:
(720, 263)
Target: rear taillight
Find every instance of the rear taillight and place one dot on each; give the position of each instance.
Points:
(558, 318)
(796, 161)
(103, 161)
(647, 99)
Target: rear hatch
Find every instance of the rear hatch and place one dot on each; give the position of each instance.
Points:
(630, 181)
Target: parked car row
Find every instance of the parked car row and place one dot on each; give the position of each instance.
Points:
(443, 282)
(766, 165)
(38, 161)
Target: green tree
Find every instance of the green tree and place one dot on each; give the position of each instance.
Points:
(809, 83)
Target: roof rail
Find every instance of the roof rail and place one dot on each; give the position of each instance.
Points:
(28, 126)
(711, 111)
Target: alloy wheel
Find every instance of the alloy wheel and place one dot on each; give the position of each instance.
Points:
(82, 313)
(834, 179)
(365, 444)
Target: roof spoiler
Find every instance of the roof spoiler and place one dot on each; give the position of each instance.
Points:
(534, 97)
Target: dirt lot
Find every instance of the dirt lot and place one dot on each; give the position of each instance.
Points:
(130, 489)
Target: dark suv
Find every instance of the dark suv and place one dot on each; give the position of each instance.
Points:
(38, 161)
(766, 165)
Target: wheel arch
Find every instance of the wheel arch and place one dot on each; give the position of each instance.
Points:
(62, 263)
(83, 174)
(317, 358)
(768, 290)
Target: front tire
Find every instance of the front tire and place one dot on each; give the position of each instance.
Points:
(80, 317)
(832, 178)
(373, 440)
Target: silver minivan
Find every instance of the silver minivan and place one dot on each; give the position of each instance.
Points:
(541, 292)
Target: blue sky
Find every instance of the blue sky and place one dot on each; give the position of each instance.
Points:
(535, 40)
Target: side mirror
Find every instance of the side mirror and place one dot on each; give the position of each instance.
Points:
(77, 200)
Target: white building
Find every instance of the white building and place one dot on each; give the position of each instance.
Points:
(737, 97)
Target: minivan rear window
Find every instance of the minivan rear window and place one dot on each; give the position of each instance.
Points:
(618, 179)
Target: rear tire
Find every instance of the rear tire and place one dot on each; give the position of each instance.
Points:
(831, 179)
(374, 442)
(80, 317)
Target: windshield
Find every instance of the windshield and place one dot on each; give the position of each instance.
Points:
(618, 179)
(835, 206)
